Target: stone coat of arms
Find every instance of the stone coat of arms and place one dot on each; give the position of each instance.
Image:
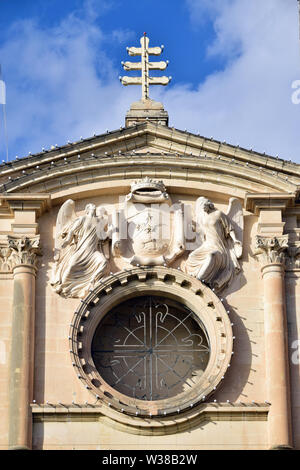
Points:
(148, 229)
(145, 230)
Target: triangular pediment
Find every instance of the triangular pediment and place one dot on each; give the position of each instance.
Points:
(113, 159)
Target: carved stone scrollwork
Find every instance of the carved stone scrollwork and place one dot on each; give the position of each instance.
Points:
(271, 250)
(23, 251)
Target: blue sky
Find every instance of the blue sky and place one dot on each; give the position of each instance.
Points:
(233, 63)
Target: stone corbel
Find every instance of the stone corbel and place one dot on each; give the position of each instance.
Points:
(25, 209)
(271, 250)
(270, 209)
(24, 251)
(274, 201)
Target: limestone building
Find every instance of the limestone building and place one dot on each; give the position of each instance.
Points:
(149, 291)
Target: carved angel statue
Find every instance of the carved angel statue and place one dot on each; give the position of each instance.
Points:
(79, 258)
(216, 260)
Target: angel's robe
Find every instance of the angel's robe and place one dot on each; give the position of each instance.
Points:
(214, 262)
(80, 264)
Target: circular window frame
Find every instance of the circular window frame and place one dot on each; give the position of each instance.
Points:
(159, 281)
(148, 341)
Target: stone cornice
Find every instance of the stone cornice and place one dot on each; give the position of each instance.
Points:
(151, 426)
(100, 168)
(9, 203)
(116, 149)
(269, 201)
(147, 128)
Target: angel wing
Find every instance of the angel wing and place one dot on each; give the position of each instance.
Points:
(235, 214)
(65, 216)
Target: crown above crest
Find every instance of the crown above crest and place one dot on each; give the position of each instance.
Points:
(148, 184)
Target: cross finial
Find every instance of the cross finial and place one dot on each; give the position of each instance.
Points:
(145, 66)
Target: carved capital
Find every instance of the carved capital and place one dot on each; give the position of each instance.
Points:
(5, 261)
(24, 250)
(293, 257)
(271, 250)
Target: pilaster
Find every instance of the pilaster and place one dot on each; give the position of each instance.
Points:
(271, 248)
(22, 259)
(271, 252)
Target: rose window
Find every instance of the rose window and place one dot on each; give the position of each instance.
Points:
(150, 348)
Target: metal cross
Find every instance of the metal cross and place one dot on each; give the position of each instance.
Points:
(145, 66)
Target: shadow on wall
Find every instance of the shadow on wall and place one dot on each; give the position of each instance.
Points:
(42, 280)
(292, 280)
(237, 377)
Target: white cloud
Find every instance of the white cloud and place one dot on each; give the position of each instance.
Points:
(62, 84)
(249, 101)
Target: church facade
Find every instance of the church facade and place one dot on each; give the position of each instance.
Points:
(149, 293)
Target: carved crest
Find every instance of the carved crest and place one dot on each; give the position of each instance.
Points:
(146, 230)
(149, 230)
